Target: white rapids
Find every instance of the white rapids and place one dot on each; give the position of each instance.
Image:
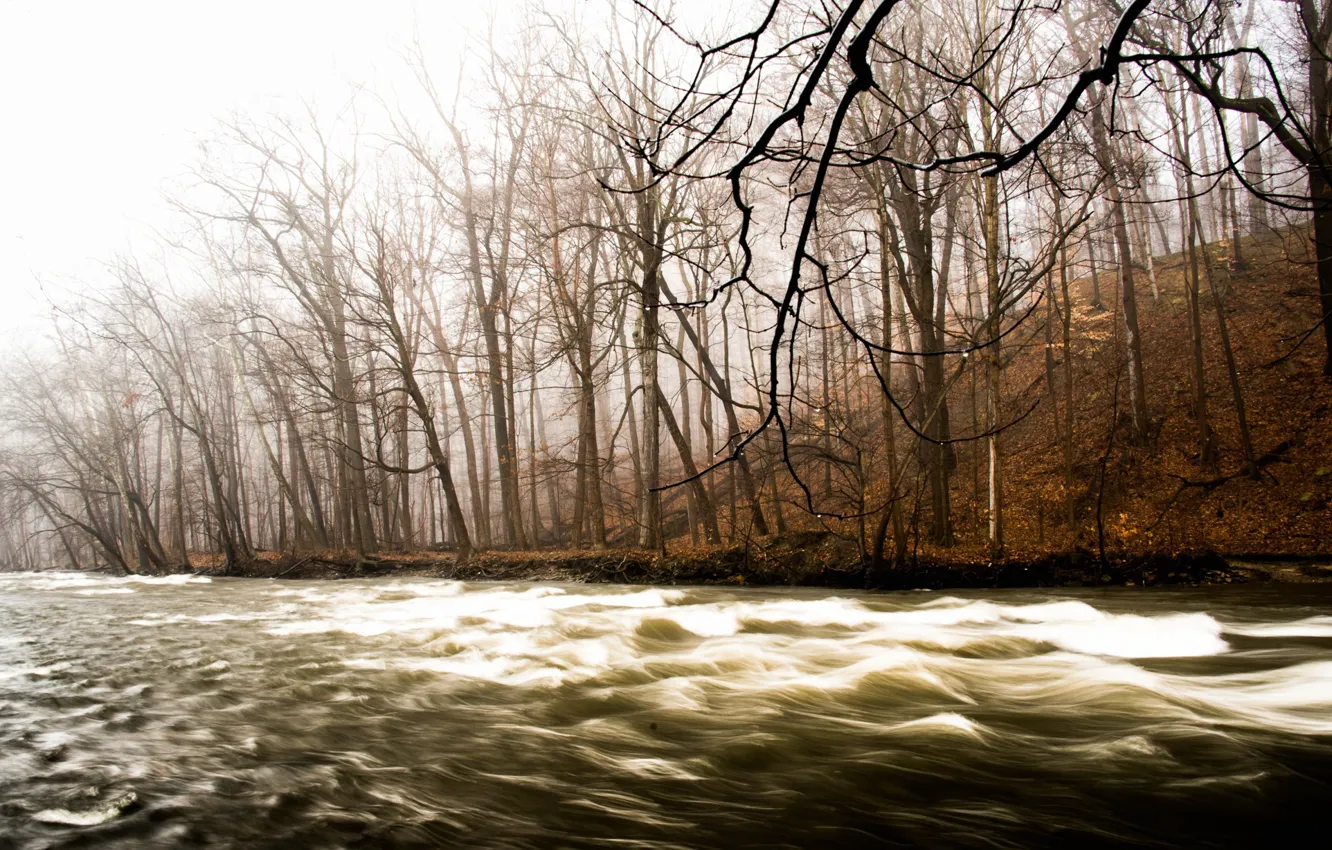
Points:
(512, 715)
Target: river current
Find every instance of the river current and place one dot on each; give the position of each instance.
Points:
(188, 712)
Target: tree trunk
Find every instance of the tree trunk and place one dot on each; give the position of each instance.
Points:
(1180, 136)
(1128, 297)
(721, 387)
(480, 516)
(707, 513)
(892, 515)
(650, 531)
(993, 366)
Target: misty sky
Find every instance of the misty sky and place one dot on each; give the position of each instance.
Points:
(105, 104)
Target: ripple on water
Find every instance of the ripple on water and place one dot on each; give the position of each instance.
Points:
(501, 715)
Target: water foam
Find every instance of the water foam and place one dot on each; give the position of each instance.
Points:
(679, 650)
(1320, 626)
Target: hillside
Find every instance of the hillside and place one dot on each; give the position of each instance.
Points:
(1158, 497)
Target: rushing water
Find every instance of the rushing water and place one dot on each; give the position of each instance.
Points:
(181, 712)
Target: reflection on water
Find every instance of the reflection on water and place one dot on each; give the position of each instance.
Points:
(180, 712)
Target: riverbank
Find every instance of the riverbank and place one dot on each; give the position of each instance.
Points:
(800, 560)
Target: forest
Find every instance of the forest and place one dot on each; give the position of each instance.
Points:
(928, 280)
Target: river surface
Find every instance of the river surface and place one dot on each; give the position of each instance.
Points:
(184, 712)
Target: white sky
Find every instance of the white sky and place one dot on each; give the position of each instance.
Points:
(104, 104)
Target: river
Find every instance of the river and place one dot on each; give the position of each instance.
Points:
(188, 712)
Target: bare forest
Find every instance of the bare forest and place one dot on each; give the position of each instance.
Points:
(915, 280)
